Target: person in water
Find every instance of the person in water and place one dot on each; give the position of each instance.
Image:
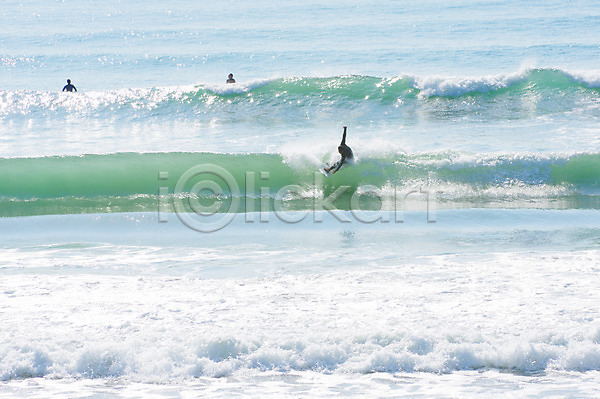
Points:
(69, 86)
(345, 152)
(230, 78)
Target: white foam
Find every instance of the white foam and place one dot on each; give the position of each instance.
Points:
(120, 312)
(457, 85)
(589, 78)
(236, 88)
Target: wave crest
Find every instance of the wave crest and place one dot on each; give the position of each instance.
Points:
(343, 91)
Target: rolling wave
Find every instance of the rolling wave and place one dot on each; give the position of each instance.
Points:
(301, 92)
(134, 182)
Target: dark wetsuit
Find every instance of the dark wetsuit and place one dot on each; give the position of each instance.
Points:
(69, 87)
(345, 152)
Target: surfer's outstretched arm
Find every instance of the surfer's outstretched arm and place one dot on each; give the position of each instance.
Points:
(344, 137)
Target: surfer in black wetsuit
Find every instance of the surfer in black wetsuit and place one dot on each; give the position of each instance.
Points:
(230, 78)
(69, 86)
(345, 152)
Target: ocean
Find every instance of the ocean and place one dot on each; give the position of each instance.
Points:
(164, 234)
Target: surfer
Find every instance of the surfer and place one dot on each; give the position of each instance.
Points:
(69, 86)
(345, 152)
(230, 78)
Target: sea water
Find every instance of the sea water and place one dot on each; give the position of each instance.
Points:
(164, 234)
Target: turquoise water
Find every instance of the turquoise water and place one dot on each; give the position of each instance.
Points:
(165, 234)
(133, 182)
(140, 44)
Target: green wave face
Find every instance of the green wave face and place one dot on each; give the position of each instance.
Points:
(127, 182)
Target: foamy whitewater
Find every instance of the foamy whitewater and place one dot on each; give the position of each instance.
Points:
(164, 234)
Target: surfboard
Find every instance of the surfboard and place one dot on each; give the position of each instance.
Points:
(322, 170)
(329, 166)
(332, 166)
